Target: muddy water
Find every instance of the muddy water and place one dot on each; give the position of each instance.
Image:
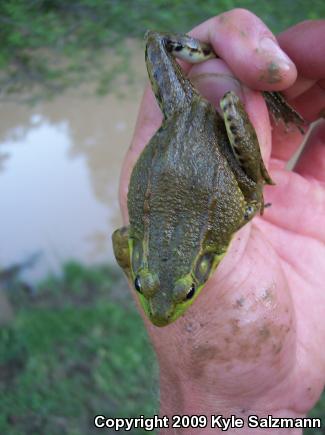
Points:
(59, 171)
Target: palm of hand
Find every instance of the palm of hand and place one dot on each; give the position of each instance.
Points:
(295, 229)
(256, 332)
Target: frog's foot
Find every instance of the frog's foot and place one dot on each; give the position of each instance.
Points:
(189, 49)
(252, 208)
(250, 211)
(243, 139)
(281, 110)
(120, 239)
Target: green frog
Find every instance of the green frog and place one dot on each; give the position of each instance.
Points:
(197, 182)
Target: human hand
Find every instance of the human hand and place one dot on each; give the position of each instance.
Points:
(252, 342)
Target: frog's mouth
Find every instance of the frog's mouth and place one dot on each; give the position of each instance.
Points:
(159, 315)
(159, 321)
(159, 309)
(160, 312)
(165, 317)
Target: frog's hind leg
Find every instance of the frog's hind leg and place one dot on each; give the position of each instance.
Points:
(172, 89)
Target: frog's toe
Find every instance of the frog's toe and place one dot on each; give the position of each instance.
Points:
(189, 49)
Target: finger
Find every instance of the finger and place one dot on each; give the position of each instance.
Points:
(285, 143)
(301, 85)
(249, 48)
(311, 163)
(298, 205)
(311, 103)
(305, 45)
(306, 261)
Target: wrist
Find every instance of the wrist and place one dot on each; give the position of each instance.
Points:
(191, 412)
(191, 407)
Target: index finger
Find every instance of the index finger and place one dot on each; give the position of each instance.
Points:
(305, 44)
(249, 48)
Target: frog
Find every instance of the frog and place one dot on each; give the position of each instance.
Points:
(196, 183)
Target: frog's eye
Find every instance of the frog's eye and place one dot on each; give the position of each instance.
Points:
(191, 292)
(203, 267)
(137, 284)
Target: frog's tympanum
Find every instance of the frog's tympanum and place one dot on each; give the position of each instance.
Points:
(198, 180)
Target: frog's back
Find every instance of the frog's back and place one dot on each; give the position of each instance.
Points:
(182, 185)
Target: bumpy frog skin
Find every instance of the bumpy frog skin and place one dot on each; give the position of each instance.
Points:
(198, 180)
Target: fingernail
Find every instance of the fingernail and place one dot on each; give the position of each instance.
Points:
(278, 56)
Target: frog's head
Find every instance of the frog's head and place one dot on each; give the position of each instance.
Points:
(168, 286)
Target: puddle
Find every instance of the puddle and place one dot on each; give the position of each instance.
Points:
(59, 171)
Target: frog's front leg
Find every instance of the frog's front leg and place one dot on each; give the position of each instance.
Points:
(120, 239)
(173, 91)
(243, 139)
(245, 147)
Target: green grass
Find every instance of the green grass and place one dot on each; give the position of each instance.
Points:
(318, 412)
(73, 352)
(77, 33)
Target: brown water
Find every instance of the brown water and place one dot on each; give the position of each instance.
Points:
(59, 171)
